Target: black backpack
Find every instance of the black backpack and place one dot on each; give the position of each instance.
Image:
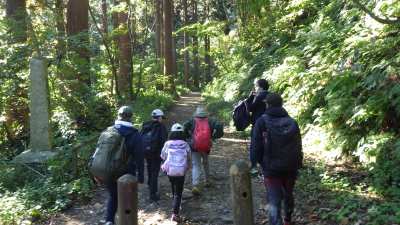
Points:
(241, 115)
(150, 139)
(282, 144)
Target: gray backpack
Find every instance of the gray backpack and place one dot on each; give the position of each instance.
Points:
(110, 160)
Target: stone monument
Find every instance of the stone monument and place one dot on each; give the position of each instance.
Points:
(40, 140)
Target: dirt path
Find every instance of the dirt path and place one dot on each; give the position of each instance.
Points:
(212, 207)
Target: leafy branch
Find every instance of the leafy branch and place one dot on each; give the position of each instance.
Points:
(374, 16)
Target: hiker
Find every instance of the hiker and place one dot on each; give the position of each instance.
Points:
(256, 106)
(200, 131)
(122, 136)
(278, 149)
(154, 134)
(176, 156)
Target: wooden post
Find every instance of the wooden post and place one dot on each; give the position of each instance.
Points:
(127, 213)
(242, 200)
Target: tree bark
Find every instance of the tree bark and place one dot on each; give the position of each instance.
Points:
(186, 66)
(207, 58)
(158, 24)
(196, 63)
(168, 45)
(60, 18)
(124, 79)
(77, 30)
(104, 18)
(16, 13)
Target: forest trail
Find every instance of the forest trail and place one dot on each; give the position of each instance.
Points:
(213, 206)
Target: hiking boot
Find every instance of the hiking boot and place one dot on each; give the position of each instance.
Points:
(254, 172)
(176, 218)
(196, 191)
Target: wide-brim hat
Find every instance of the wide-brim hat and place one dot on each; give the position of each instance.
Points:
(200, 112)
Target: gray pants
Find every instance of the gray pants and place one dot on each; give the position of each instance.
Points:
(199, 158)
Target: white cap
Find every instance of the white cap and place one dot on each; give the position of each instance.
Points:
(176, 127)
(157, 113)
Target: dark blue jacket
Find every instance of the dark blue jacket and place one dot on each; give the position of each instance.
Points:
(257, 105)
(160, 133)
(287, 140)
(134, 146)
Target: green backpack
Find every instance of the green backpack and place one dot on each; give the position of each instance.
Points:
(110, 160)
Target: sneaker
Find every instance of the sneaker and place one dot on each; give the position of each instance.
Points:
(109, 223)
(195, 191)
(176, 218)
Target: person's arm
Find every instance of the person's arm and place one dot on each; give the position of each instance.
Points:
(188, 128)
(257, 153)
(164, 152)
(164, 134)
(189, 156)
(256, 102)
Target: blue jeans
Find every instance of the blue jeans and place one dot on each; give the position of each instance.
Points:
(112, 203)
(279, 189)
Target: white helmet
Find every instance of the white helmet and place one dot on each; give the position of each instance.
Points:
(176, 127)
(157, 113)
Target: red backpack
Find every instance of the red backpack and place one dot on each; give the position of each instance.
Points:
(202, 135)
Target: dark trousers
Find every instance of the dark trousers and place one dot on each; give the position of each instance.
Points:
(177, 190)
(253, 156)
(112, 202)
(153, 169)
(278, 190)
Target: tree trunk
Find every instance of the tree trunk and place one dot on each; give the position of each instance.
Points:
(104, 16)
(186, 66)
(207, 58)
(60, 18)
(16, 13)
(158, 23)
(168, 44)
(174, 42)
(196, 63)
(77, 30)
(124, 79)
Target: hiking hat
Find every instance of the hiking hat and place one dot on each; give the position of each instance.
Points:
(157, 113)
(201, 112)
(125, 113)
(176, 127)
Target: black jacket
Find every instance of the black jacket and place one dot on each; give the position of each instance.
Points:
(257, 105)
(286, 144)
(134, 147)
(160, 133)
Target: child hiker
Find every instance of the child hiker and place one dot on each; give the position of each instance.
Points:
(176, 156)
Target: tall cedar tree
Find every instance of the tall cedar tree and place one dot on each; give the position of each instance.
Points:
(77, 30)
(16, 13)
(186, 66)
(124, 79)
(168, 45)
(196, 63)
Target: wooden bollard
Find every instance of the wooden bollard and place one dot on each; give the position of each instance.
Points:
(242, 200)
(127, 213)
